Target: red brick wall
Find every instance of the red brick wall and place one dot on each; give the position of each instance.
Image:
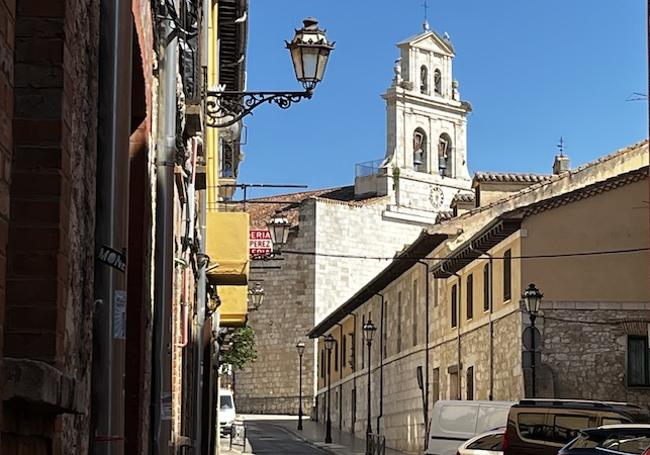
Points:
(7, 27)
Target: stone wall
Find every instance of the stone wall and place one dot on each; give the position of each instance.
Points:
(584, 339)
(402, 422)
(270, 384)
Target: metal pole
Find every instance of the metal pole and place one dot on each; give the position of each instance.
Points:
(111, 228)
(368, 427)
(532, 363)
(161, 392)
(300, 393)
(328, 425)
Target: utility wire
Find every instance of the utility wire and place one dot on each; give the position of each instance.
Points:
(429, 258)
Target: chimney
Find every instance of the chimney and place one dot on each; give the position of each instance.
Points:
(561, 164)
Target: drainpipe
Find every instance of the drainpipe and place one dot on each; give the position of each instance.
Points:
(111, 228)
(201, 301)
(341, 366)
(458, 303)
(382, 330)
(491, 321)
(164, 244)
(426, 351)
(354, 376)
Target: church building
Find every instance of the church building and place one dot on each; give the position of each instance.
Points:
(342, 237)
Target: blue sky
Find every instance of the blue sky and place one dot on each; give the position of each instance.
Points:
(534, 70)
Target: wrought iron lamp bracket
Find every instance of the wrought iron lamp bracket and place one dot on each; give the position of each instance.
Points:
(225, 108)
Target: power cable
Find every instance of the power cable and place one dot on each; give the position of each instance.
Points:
(429, 258)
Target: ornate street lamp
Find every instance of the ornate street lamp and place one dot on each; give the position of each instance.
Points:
(279, 229)
(300, 347)
(256, 297)
(309, 51)
(368, 332)
(533, 300)
(330, 342)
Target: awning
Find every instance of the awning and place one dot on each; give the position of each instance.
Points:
(227, 247)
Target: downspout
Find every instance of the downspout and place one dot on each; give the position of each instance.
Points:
(111, 228)
(491, 321)
(164, 244)
(382, 331)
(426, 352)
(354, 376)
(341, 366)
(458, 303)
(200, 343)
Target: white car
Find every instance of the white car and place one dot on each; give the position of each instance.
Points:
(227, 412)
(488, 443)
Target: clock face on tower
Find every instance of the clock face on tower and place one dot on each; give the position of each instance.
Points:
(437, 197)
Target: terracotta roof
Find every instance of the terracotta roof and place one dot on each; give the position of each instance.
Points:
(462, 197)
(262, 209)
(444, 215)
(510, 177)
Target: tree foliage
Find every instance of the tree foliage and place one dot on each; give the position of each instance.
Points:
(242, 350)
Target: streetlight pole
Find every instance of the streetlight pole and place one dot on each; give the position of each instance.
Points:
(368, 332)
(329, 345)
(533, 299)
(300, 347)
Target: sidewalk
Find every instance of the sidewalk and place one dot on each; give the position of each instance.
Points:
(313, 433)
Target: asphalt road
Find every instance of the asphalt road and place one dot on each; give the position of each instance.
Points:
(268, 439)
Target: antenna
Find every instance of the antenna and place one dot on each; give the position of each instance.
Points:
(425, 25)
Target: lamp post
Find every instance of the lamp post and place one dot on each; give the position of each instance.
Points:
(329, 345)
(368, 332)
(256, 297)
(533, 300)
(279, 230)
(309, 51)
(300, 347)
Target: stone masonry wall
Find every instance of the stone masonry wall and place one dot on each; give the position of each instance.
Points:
(588, 340)
(402, 422)
(270, 384)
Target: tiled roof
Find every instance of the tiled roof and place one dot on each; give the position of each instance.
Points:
(510, 177)
(444, 215)
(462, 197)
(261, 210)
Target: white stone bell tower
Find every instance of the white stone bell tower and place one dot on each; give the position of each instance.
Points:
(426, 155)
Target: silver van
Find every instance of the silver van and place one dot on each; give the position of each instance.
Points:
(455, 421)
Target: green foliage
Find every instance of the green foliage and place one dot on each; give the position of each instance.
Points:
(395, 178)
(242, 350)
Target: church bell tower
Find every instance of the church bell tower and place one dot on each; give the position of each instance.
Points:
(426, 157)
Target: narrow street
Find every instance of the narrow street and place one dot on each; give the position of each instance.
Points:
(267, 438)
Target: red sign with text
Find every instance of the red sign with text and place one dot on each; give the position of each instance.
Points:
(261, 245)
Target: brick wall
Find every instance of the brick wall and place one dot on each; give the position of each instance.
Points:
(7, 27)
(49, 282)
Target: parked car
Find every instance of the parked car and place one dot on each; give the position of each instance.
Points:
(611, 439)
(226, 410)
(542, 427)
(455, 421)
(489, 443)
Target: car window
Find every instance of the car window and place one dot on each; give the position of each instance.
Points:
(567, 427)
(490, 442)
(632, 444)
(583, 442)
(458, 419)
(225, 402)
(532, 426)
(490, 418)
(612, 421)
